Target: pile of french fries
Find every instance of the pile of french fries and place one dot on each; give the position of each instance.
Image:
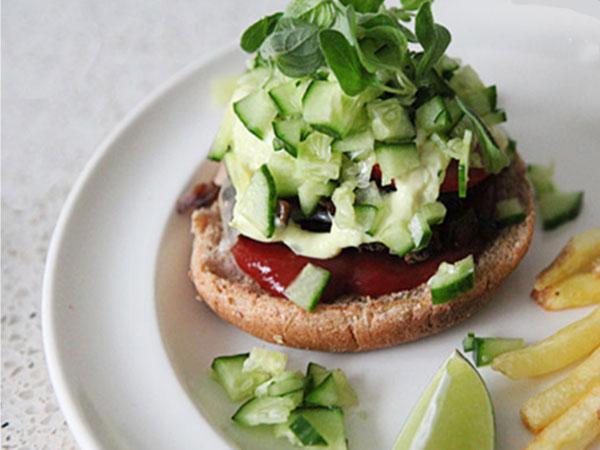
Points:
(567, 414)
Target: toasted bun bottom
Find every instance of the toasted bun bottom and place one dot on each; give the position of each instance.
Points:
(352, 323)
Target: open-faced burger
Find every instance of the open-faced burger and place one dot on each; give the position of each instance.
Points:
(370, 196)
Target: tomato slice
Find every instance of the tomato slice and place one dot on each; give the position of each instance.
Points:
(274, 266)
(450, 183)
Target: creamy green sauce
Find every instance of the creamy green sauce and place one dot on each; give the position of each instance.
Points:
(413, 190)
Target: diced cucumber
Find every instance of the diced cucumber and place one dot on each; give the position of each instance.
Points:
(486, 349)
(434, 212)
(469, 342)
(482, 101)
(327, 422)
(327, 109)
(557, 208)
(542, 178)
(465, 79)
(433, 117)
(451, 280)
(288, 97)
(281, 384)
(395, 160)
(310, 192)
(334, 390)
(346, 395)
(316, 160)
(256, 111)
(308, 286)
(267, 361)
(257, 204)
(283, 168)
(390, 121)
(420, 231)
(397, 238)
(510, 211)
(315, 375)
(369, 195)
(343, 200)
(224, 137)
(325, 394)
(284, 387)
(366, 217)
(239, 385)
(290, 133)
(306, 433)
(495, 117)
(356, 144)
(264, 411)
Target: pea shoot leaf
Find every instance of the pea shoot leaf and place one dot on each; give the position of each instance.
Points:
(256, 33)
(318, 12)
(413, 5)
(434, 38)
(294, 48)
(343, 60)
(364, 6)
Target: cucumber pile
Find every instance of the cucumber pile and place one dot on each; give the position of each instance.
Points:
(304, 408)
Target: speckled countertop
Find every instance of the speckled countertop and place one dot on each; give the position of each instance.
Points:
(71, 70)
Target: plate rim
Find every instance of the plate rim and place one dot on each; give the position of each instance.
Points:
(83, 433)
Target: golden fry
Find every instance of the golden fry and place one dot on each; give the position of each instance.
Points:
(568, 345)
(581, 289)
(540, 410)
(575, 429)
(577, 256)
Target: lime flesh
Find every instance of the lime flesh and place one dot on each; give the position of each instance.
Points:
(455, 412)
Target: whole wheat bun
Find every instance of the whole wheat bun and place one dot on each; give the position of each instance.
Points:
(352, 323)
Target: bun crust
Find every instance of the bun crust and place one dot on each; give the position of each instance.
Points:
(352, 323)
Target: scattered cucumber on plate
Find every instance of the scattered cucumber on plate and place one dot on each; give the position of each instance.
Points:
(305, 409)
(485, 349)
(556, 207)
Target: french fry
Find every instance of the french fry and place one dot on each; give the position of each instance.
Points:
(575, 429)
(579, 253)
(581, 289)
(568, 345)
(540, 410)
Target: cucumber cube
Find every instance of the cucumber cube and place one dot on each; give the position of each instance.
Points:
(451, 280)
(390, 121)
(308, 286)
(256, 111)
(396, 160)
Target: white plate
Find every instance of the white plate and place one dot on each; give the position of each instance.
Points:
(128, 347)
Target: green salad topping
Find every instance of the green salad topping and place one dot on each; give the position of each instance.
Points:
(351, 112)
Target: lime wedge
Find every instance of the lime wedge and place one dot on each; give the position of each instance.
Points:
(454, 413)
